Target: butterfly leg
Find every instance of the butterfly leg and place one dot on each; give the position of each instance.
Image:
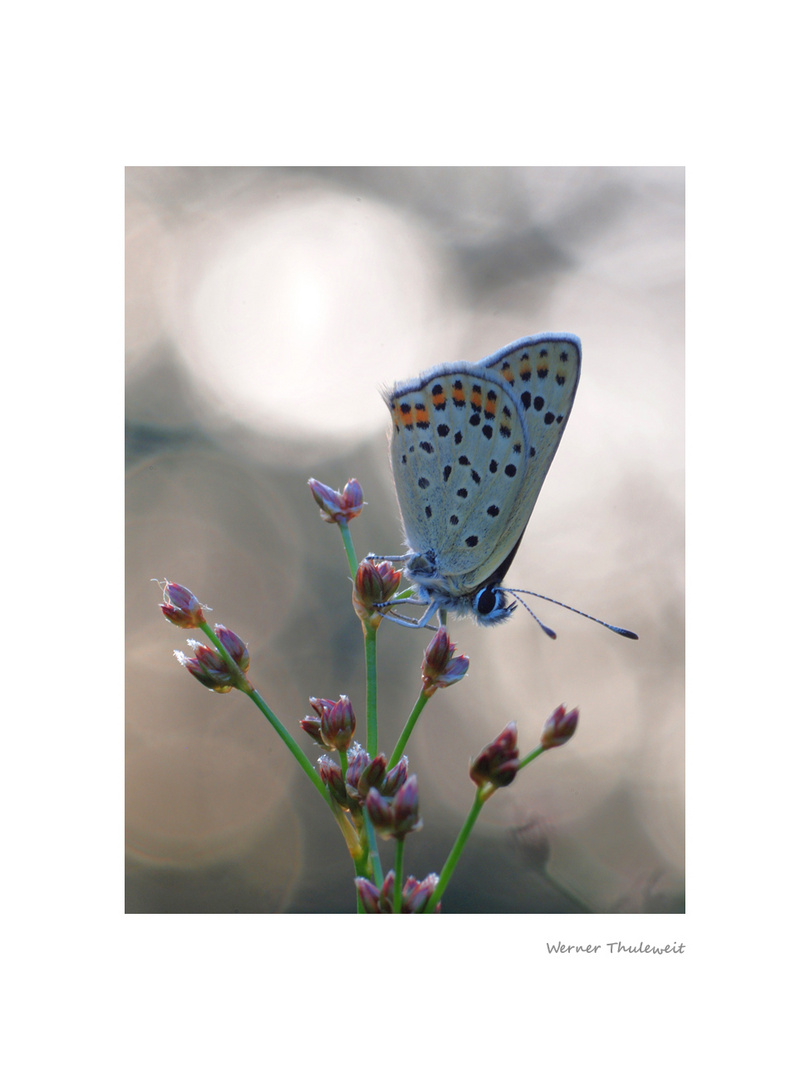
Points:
(403, 620)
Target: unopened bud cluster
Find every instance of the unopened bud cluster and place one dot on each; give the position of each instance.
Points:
(395, 817)
(333, 726)
(365, 777)
(181, 606)
(415, 894)
(559, 727)
(497, 764)
(374, 584)
(440, 668)
(210, 668)
(337, 506)
(365, 774)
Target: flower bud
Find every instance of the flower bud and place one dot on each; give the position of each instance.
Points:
(372, 776)
(234, 646)
(559, 727)
(394, 779)
(330, 773)
(338, 724)
(406, 809)
(398, 816)
(497, 764)
(208, 667)
(181, 606)
(321, 705)
(374, 583)
(379, 810)
(439, 667)
(337, 506)
(358, 762)
(438, 652)
(369, 895)
(386, 900)
(415, 894)
(312, 726)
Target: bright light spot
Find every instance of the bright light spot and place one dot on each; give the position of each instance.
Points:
(294, 317)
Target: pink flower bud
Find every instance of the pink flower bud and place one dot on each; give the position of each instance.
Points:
(337, 506)
(406, 809)
(398, 816)
(234, 646)
(387, 894)
(369, 895)
(437, 654)
(394, 779)
(181, 606)
(338, 724)
(374, 583)
(373, 776)
(559, 727)
(439, 667)
(497, 764)
(379, 810)
(330, 773)
(312, 726)
(359, 760)
(208, 667)
(321, 705)
(415, 894)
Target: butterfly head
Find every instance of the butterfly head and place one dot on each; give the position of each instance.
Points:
(490, 605)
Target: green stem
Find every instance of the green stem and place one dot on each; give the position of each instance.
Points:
(399, 858)
(370, 636)
(373, 850)
(243, 683)
(360, 870)
(289, 742)
(372, 858)
(538, 750)
(348, 544)
(458, 847)
(421, 701)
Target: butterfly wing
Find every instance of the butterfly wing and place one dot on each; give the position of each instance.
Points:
(543, 373)
(459, 454)
(470, 447)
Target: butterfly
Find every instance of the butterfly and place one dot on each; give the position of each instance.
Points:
(471, 445)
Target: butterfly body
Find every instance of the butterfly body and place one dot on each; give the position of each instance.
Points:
(471, 445)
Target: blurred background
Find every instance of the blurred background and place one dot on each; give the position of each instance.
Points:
(265, 310)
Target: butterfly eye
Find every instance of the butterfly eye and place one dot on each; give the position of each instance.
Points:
(490, 604)
(486, 600)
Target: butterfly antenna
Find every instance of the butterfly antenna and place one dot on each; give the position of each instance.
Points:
(559, 603)
(542, 625)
